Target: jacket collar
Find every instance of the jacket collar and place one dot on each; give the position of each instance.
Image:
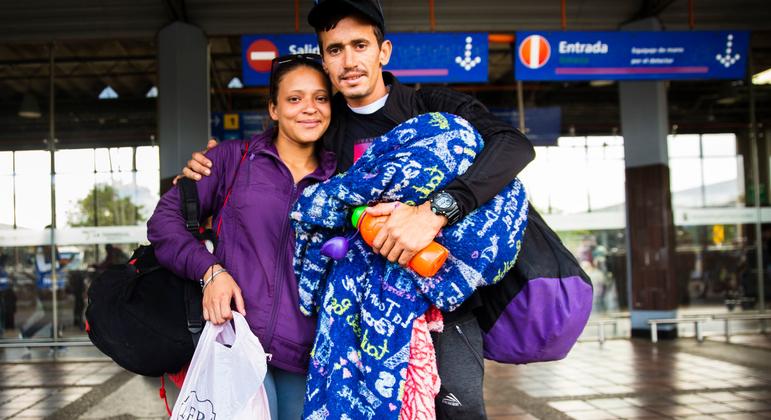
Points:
(401, 101)
(264, 143)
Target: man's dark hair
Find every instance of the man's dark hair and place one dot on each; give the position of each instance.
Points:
(331, 20)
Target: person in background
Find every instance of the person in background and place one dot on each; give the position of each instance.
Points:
(5, 291)
(112, 255)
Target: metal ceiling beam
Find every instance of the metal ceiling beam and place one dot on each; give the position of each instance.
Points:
(72, 60)
(649, 8)
(176, 9)
(80, 76)
(101, 59)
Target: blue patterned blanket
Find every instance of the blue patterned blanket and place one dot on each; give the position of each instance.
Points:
(365, 304)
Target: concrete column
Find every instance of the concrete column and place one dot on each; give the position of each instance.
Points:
(650, 231)
(183, 96)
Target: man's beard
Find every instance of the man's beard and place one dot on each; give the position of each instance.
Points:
(356, 95)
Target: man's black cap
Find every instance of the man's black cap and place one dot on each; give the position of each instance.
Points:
(369, 8)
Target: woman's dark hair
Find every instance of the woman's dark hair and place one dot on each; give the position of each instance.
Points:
(284, 67)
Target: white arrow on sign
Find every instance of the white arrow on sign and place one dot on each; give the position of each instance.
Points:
(727, 60)
(466, 61)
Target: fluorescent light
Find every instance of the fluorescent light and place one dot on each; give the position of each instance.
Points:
(108, 93)
(29, 107)
(762, 78)
(600, 83)
(235, 83)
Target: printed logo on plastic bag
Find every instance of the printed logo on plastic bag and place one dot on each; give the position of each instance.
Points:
(195, 409)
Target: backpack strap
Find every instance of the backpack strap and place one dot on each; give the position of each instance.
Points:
(162, 393)
(189, 202)
(193, 310)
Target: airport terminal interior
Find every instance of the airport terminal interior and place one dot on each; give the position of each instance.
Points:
(659, 186)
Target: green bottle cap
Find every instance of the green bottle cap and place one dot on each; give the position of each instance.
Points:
(356, 215)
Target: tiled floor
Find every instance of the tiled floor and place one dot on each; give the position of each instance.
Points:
(754, 340)
(37, 402)
(620, 379)
(631, 379)
(36, 390)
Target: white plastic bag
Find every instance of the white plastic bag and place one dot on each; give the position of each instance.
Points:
(225, 377)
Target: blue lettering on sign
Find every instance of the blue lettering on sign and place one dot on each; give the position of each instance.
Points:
(631, 55)
(579, 48)
(304, 49)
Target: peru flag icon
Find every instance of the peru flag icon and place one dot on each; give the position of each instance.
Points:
(534, 51)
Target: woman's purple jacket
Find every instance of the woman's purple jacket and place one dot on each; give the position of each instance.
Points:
(255, 243)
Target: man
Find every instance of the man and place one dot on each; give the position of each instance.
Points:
(371, 102)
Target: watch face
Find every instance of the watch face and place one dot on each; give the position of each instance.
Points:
(443, 201)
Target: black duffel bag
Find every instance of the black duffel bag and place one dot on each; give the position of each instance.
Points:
(143, 316)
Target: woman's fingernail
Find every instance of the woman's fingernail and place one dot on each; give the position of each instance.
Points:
(207, 172)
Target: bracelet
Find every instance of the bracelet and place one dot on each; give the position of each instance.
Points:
(211, 278)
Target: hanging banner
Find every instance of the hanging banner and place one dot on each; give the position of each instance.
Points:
(631, 55)
(451, 57)
(238, 126)
(217, 126)
(254, 123)
(542, 125)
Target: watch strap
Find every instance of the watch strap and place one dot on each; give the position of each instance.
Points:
(452, 213)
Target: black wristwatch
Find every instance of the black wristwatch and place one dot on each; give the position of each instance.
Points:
(443, 204)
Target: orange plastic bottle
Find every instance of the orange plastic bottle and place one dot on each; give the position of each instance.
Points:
(426, 262)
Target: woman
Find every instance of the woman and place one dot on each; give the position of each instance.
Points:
(252, 263)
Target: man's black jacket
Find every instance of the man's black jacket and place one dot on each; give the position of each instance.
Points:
(506, 151)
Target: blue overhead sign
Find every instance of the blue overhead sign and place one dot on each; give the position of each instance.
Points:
(631, 55)
(453, 57)
(542, 125)
(238, 125)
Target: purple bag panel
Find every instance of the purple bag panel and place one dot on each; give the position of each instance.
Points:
(529, 332)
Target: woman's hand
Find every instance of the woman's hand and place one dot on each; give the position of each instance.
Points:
(217, 297)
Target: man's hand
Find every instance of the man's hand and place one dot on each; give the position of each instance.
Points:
(407, 231)
(218, 295)
(198, 165)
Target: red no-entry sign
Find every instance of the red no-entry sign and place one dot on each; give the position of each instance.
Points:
(260, 54)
